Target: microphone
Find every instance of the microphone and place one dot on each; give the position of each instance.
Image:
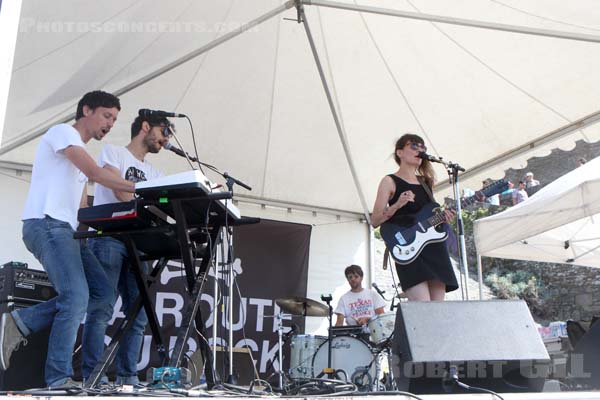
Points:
(435, 159)
(381, 292)
(178, 151)
(427, 157)
(144, 112)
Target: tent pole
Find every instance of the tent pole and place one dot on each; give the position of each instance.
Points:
(64, 118)
(371, 238)
(9, 30)
(336, 119)
(480, 275)
(457, 21)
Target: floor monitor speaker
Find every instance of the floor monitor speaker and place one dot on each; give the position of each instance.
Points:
(490, 344)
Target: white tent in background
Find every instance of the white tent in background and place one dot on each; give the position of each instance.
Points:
(558, 224)
(487, 83)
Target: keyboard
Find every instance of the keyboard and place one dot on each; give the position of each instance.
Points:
(192, 185)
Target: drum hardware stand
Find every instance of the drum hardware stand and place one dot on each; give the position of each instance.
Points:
(329, 370)
(390, 375)
(376, 384)
(280, 372)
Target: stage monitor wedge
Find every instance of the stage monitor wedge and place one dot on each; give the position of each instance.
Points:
(492, 344)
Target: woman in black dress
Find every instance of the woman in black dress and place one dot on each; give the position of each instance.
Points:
(399, 197)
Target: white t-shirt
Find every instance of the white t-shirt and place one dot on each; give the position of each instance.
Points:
(56, 183)
(359, 305)
(130, 167)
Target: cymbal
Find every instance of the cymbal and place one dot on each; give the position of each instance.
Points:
(303, 306)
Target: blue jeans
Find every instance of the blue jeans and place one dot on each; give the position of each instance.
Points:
(71, 267)
(113, 256)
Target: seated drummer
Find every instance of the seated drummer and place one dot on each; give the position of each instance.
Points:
(358, 305)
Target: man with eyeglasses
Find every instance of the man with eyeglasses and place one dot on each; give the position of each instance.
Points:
(148, 135)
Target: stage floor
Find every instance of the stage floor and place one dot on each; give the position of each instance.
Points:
(222, 395)
(478, 396)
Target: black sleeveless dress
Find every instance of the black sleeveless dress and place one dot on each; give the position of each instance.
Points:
(434, 261)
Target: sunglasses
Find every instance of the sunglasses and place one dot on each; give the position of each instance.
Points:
(167, 131)
(418, 147)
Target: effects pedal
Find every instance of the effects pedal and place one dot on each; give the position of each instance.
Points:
(169, 377)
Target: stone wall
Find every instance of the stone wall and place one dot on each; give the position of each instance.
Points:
(546, 169)
(568, 291)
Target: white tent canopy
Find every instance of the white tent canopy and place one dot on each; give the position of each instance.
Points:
(559, 224)
(487, 98)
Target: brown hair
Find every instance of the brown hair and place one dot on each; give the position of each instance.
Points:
(425, 169)
(353, 269)
(96, 99)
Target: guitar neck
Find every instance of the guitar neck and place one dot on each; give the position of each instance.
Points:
(490, 190)
(438, 218)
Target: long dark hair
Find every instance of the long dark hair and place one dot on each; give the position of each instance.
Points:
(425, 169)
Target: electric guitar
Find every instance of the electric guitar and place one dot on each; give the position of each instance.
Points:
(406, 243)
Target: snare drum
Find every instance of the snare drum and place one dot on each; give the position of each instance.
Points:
(382, 327)
(303, 349)
(351, 355)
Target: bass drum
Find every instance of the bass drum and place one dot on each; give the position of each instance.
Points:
(302, 351)
(351, 355)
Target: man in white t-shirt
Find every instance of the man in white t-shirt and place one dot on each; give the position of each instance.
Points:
(530, 181)
(148, 134)
(358, 305)
(61, 169)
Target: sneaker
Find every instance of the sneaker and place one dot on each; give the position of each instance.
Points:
(103, 382)
(65, 384)
(10, 339)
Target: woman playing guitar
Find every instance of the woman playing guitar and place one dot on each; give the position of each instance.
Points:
(400, 197)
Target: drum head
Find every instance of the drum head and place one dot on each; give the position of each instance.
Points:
(350, 355)
(382, 327)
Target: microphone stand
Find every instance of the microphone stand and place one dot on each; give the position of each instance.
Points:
(329, 370)
(453, 169)
(230, 181)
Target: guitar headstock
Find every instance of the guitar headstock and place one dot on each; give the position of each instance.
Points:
(493, 188)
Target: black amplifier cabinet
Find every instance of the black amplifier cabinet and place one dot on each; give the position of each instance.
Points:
(19, 284)
(27, 364)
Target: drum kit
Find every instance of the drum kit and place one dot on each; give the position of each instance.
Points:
(356, 355)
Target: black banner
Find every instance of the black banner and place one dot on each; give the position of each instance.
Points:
(270, 262)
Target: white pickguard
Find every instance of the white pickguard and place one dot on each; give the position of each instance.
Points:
(403, 254)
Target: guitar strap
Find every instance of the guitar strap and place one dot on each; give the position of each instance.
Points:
(386, 253)
(426, 187)
(386, 258)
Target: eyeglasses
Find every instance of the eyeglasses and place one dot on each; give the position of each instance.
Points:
(167, 131)
(418, 147)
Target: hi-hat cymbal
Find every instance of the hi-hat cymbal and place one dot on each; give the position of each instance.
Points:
(303, 306)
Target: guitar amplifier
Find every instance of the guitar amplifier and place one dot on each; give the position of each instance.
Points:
(26, 370)
(18, 284)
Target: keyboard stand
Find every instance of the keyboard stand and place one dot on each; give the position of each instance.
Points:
(178, 208)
